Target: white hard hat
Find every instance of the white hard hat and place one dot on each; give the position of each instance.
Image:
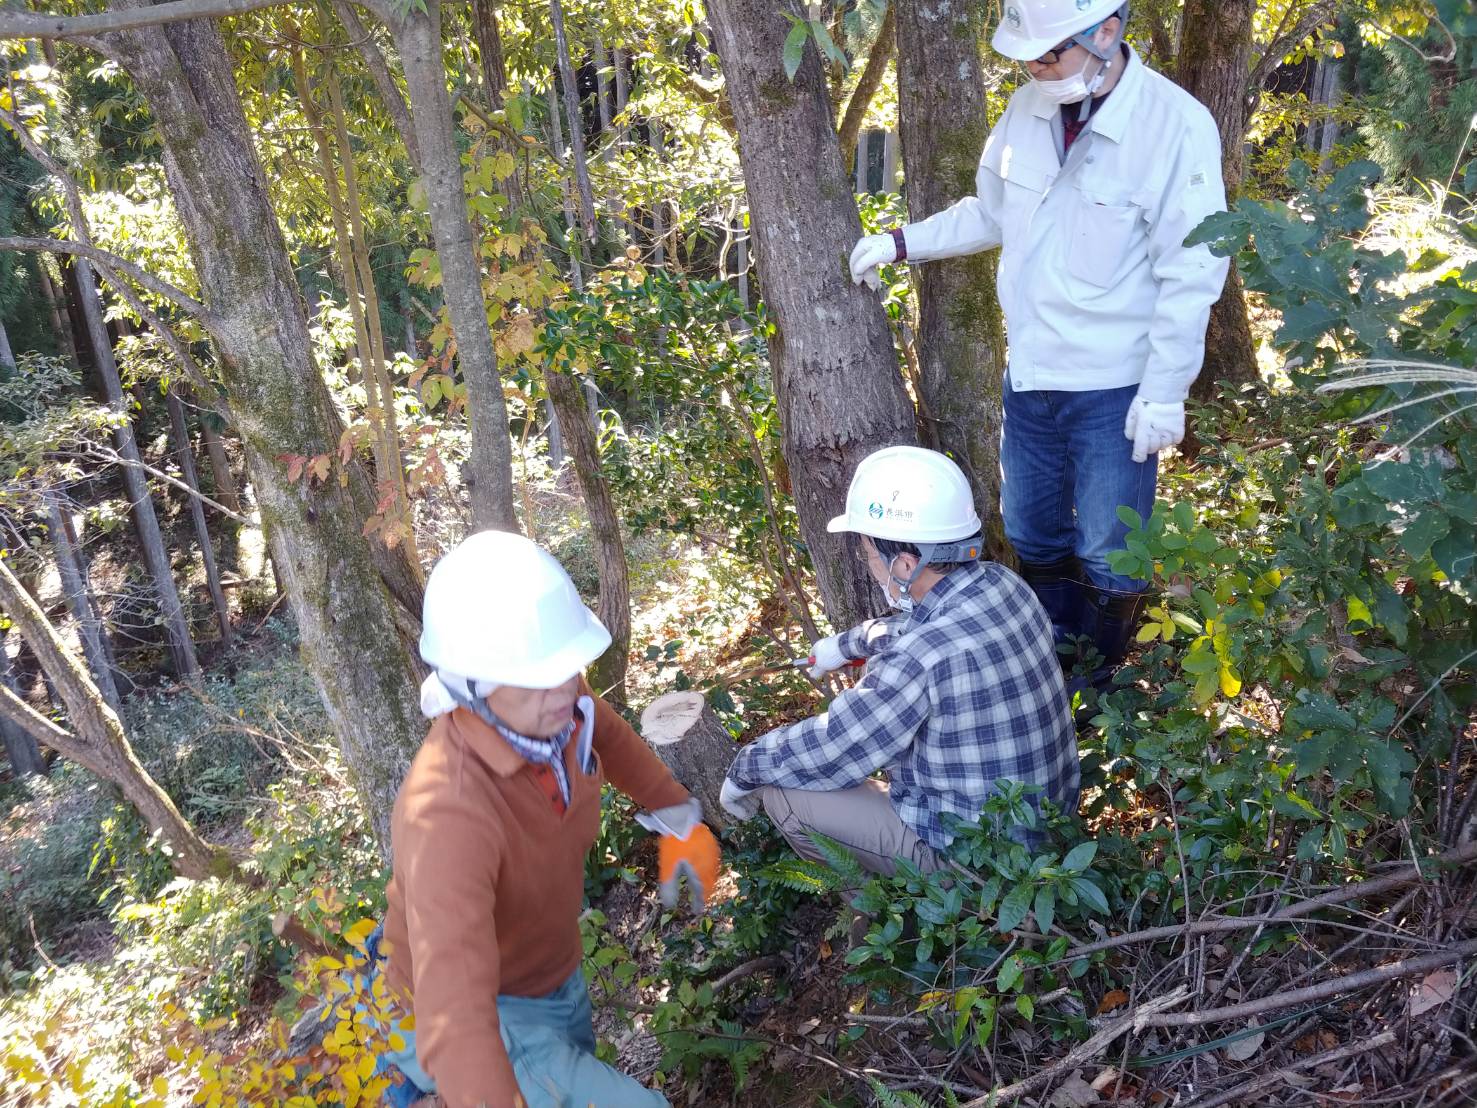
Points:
(1029, 28)
(909, 494)
(500, 609)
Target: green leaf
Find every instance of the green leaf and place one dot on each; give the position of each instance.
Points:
(1080, 856)
(1025, 1006)
(1010, 975)
(1090, 895)
(1130, 517)
(795, 48)
(1013, 908)
(828, 44)
(1045, 908)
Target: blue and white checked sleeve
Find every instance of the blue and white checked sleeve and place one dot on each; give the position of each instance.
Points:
(865, 728)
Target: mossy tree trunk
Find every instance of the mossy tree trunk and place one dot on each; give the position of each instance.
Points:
(835, 370)
(343, 589)
(943, 124)
(1214, 65)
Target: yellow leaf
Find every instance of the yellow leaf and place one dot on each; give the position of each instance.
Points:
(160, 1085)
(356, 934)
(366, 1067)
(1148, 632)
(1230, 683)
(1359, 610)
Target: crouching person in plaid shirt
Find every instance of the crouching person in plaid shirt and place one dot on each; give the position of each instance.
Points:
(962, 686)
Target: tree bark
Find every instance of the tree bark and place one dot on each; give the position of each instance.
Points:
(343, 588)
(575, 120)
(73, 574)
(220, 466)
(944, 122)
(146, 522)
(417, 35)
(21, 746)
(181, 433)
(384, 82)
(609, 672)
(1214, 65)
(690, 740)
(835, 370)
(61, 322)
(7, 356)
(866, 85)
(99, 741)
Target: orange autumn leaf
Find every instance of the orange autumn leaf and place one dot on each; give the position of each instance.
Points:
(1114, 999)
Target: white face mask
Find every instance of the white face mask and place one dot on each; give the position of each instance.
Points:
(1073, 89)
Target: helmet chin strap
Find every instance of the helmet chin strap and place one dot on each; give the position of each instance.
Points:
(930, 553)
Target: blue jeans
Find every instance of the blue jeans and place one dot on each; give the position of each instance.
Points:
(1065, 470)
(550, 1040)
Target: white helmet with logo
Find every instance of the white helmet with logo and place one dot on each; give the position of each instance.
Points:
(1029, 28)
(500, 610)
(909, 494)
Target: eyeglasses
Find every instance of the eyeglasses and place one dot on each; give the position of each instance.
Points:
(1054, 55)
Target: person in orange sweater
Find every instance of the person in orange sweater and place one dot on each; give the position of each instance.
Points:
(490, 832)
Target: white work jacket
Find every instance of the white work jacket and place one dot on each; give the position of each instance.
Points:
(1096, 284)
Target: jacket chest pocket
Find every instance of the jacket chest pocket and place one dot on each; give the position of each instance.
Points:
(1104, 232)
(1025, 186)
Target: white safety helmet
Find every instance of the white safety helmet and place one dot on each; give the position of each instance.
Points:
(500, 610)
(909, 494)
(1029, 28)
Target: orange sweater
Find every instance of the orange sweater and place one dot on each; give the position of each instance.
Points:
(488, 884)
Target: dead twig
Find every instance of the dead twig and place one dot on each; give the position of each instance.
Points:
(1267, 1080)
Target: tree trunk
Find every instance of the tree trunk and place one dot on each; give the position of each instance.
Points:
(181, 432)
(944, 121)
(21, 746)
(609, 673)
(73, 576)
(575, 120)
(220, 465)
(417, 35)
(1214, 65)
(866, 85)
(7, 356)
(1328, 90)
(342, 587)
(690, 740)
(572, 244)
(99, 742)
(146, 522)
(835, 370)
(61, 321)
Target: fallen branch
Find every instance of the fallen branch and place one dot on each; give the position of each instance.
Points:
(1408, 875)
(1267, 1080)
(1141, 1017)
(1380, 975)
(748, 969)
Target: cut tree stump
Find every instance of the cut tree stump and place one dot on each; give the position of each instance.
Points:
(688, 737)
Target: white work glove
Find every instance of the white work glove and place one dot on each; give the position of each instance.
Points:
(741, 804)
(828, 656)
(870, 252)
(1151, 426)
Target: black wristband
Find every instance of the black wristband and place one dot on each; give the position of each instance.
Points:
(900, 243)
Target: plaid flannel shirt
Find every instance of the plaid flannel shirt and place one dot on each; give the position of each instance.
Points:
(965, 690)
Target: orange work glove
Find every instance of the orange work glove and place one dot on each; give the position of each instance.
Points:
(695, 859)
(688, 851)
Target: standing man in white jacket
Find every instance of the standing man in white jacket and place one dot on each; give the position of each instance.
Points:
(1090, 182)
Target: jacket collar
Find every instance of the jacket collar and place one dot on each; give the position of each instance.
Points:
(1111, 120)
(472, 733)
(949, 586)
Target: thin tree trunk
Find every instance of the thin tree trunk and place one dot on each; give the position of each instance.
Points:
(384, 82)
(99, 741)
(352, 599)
(835, 371)
(867, 84)
(181, 432)
(7, 356)
(1329, 97)
(146, 522)
(1213, 66)
(602, 95)
(61, 322)
(73, 576)
(21, 747)
(575, 120)
(554, 435)
(489, 470)
(573, 245)
(961, 336)
(220, 466)
(609, 672)
(391, 463)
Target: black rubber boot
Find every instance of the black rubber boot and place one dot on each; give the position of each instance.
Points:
(1058, 586)
(1109, 620)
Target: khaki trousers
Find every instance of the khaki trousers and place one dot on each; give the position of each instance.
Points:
(862, 819)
